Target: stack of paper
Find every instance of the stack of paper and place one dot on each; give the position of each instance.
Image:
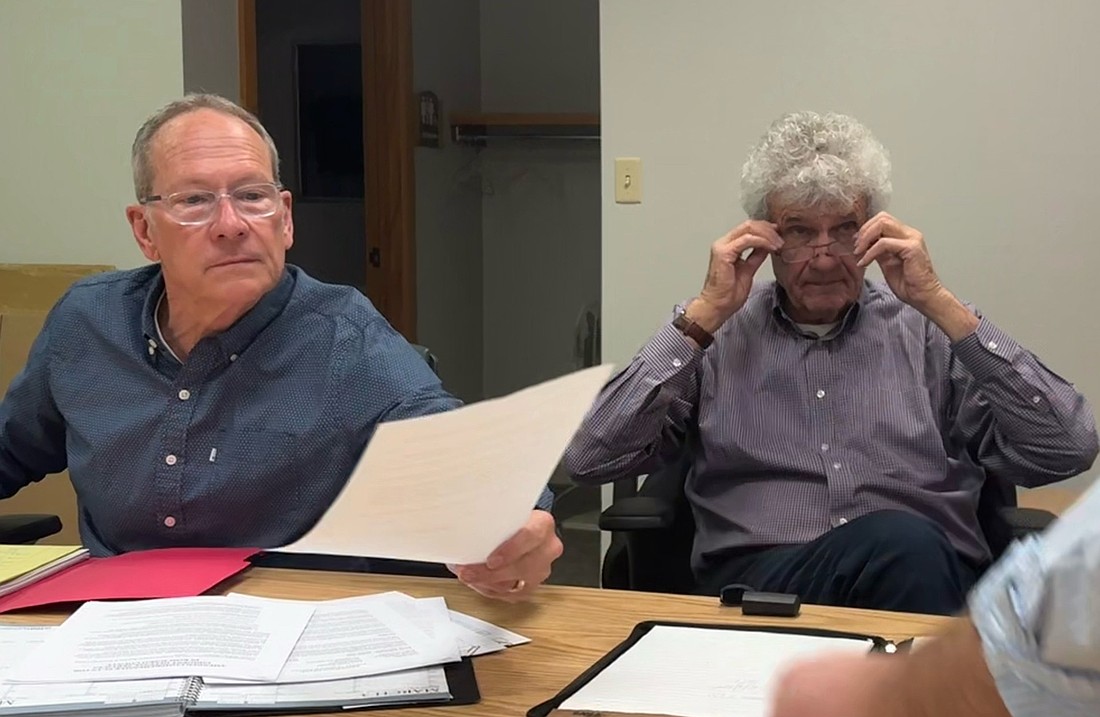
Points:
(22, 565)
(238, 652)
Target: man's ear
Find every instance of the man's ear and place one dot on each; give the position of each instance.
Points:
(139, 225)
(288, 220)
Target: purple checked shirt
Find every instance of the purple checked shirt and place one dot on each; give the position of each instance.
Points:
(794, 435)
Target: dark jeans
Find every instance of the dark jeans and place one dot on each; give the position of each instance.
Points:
(887, 560)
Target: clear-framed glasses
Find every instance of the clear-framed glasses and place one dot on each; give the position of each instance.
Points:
(797, 240)
(198, 206)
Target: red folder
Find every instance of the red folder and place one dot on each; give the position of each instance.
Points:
(161, 573)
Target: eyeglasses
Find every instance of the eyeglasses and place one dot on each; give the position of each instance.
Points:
(192, 207)
(797, 247)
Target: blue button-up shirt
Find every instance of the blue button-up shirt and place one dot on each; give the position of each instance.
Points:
(246, 443)
(1038, 613)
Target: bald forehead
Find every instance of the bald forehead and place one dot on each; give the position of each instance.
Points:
(205, 139)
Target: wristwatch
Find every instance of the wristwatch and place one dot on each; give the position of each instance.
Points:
(692, 330)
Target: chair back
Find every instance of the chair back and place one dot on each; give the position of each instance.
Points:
(660, 560)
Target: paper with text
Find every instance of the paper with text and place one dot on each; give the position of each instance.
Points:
(206, 636)
(698, 672)
(17, 642)
(358, 637)
(477, 637)
(451, 487)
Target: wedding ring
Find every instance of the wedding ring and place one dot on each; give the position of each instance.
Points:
(518, 585)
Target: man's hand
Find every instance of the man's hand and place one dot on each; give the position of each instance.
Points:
(946, 677)
(832, 685)
(519, 565)
(907, 267)
(729, 276)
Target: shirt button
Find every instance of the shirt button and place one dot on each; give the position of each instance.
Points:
(170, 459)
(820, 393)
(232, 357)
(169, 522)
(842, 521)
(184, 394)
(836, 466)
(824, 446)
(677, 363)
(1036, 399)
(992, 345)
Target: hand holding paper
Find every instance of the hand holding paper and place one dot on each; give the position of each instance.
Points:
(452, 487)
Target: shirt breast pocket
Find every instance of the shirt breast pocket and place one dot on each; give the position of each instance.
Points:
(257, 481)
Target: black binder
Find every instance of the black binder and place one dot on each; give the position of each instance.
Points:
(461, 682)
(878, 644)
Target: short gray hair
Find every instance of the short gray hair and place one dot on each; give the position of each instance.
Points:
(812, 159)
(140, 159)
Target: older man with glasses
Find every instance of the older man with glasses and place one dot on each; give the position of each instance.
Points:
(840, 429)
(219, 396)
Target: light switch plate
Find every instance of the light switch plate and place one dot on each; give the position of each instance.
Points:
(628, 180)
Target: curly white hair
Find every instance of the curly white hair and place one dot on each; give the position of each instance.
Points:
(809, 159)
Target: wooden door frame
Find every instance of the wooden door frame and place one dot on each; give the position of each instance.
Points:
(389, 137)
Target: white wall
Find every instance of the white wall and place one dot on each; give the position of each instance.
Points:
(541, 212)
(986, 106)
(78, 79)
(447, 61)
(210, 48)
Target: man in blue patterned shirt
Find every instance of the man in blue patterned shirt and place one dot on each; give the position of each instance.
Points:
(219, 397)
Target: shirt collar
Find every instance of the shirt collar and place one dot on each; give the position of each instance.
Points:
(846, 321)
(238, 336)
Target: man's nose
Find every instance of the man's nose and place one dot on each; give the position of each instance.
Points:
(227, 221)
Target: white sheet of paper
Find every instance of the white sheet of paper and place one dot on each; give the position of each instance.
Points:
(477, 637)
(430, 615)
(451, 487)
(17, 642)
(358, 637)
(206, 636)
(696, 672)
(422, 684)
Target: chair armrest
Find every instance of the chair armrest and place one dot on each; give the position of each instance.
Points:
(20, 529)
(638, 513)
(1025, 521)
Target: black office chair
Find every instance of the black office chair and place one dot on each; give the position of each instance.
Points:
(25, 529)
(652, 532)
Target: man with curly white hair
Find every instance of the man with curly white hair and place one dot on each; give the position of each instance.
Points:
(839, 429)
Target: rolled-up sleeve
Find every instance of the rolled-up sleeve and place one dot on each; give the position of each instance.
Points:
(1038, 614)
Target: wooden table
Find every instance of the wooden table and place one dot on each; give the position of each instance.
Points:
(570, 627)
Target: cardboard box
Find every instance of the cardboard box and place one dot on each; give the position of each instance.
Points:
(27, 293)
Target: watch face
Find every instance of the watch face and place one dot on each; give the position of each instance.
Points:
(679, 309)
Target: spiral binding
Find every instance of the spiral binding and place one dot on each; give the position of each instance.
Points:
(191, 690)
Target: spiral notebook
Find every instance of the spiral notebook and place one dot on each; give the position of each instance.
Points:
(671, 669)
(451, 684)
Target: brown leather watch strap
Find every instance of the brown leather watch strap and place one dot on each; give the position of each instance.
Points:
(693, 331)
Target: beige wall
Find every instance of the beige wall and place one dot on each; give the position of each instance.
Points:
(447, 61)
(986, 106)
(541, 210)
(210, 47)
(78, 78)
